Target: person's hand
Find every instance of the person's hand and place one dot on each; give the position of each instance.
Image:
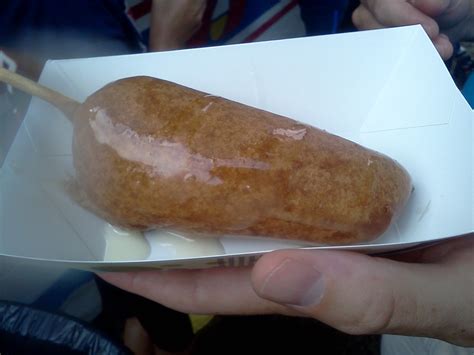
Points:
(445, 21)
(173, 22)
(429, 292)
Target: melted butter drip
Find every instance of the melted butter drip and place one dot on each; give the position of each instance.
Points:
(170, 244)
(295, 134)
(165, 158)
(122, 245)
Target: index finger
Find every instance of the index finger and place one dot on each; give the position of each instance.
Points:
(393, 13)
(207, 291)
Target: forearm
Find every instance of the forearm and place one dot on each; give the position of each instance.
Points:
(173, 22)
(161, 38)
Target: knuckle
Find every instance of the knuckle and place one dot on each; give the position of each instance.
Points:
(370, 4)
(135, 282)
(379, 10)
(375, 315)
(357, 17)
(376, 310)
(198, 298)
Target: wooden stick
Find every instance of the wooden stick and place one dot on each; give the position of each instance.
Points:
(63, 103)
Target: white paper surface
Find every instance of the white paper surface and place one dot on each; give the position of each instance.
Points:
(387, 90)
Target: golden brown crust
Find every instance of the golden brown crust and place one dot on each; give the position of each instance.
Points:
(150, 153)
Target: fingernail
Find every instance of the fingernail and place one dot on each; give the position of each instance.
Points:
(293, 283)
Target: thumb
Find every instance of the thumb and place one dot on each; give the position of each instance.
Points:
(359, 294)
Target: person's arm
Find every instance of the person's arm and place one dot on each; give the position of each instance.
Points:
(173, 22)
(445, 21)
(429, 292)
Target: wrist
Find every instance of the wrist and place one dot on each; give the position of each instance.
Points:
(162, 38)
(164, 44)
